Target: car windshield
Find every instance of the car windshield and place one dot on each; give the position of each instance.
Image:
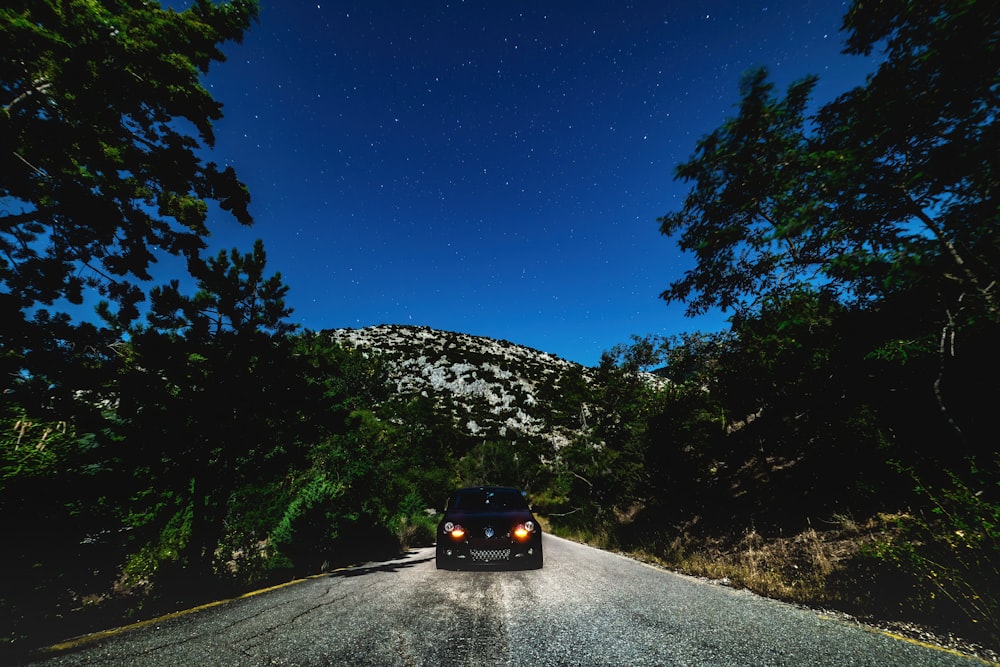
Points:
(488, 500)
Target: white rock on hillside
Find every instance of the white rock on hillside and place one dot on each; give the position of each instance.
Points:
(494, 384)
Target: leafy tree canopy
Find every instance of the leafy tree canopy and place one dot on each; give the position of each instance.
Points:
(102, 123)
(893, 184)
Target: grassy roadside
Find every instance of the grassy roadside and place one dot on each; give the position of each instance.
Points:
(828, 567)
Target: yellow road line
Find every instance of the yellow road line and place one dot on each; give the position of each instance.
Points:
(95, 636)
(910, 640)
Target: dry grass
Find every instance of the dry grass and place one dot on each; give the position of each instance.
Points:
(815, 568)
(794, 568)
(798, 568)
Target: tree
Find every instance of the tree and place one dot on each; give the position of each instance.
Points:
(919, 142)
(602, 473)
(104, 125)
(892, 179)
(210, 395)
(745, 217)
(103, 121)
(885, 199)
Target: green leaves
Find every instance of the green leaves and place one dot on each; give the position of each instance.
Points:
(233, 296)
(883, 200)
(898, 173)
(747, 218)
(92, 95)
(953, 549)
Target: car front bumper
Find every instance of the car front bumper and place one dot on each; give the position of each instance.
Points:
(488, 552)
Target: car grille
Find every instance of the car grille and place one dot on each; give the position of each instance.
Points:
(487, 555)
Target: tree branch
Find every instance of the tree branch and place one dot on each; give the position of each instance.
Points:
(953, 252)
(41, 172)
(946, 348)
(39, 86)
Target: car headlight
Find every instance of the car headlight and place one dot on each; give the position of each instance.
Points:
(523, 530)
(455, 530)
(448, 526)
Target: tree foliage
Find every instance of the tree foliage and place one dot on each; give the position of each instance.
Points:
(103, 126)
(744, 217)
(891, 184)
(208, 386)
(884, 199)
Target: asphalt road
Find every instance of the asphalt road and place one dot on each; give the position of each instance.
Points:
(586, 607)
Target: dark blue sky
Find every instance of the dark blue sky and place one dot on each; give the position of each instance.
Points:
(494, 168)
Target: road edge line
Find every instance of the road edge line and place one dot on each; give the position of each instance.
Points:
(88, 638)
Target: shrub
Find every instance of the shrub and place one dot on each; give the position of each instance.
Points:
(953, 548)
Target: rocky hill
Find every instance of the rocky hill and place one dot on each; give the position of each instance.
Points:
(493, 389)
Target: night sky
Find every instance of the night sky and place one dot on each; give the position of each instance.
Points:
(493, 168)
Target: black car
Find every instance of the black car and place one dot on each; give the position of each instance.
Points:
(488, 525)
